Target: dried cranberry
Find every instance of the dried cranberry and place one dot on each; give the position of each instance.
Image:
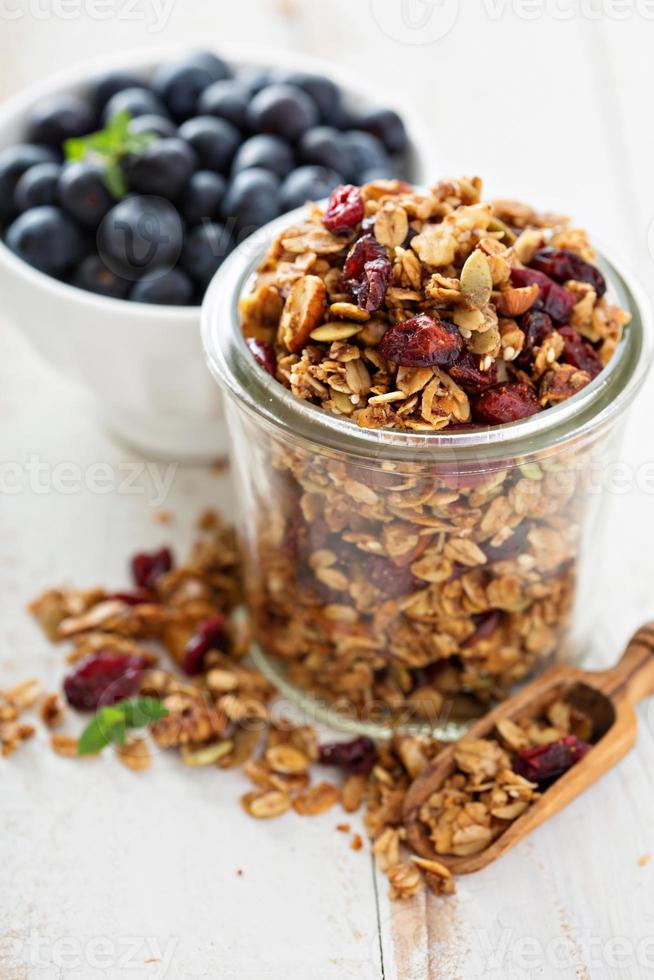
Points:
(554, 299)
(367, 273)
(421, 342)
(485, 625)
(134, 597)
(536, 326)
(463, 427)
(560, 264)
(146, 568)
(513, 546)
(506, 403)
(365, 249)
(467, 373)
(546, 763)
(391, 579)
(344, 210)
(209, 635)
(357, 756)
(263, 353)
(577, 352)
(102, 679)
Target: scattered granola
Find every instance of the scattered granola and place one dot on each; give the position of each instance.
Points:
(219, 717)
(52, 711)
(135, 754)
(64, 745)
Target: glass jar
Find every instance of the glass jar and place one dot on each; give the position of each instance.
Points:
(403, 581)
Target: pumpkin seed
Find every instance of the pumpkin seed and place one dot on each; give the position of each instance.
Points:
(495, 224)
(488, 342)
(207, 755)
(329, 332)
(476, 279)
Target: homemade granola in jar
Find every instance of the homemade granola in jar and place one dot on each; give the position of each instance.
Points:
(423, 395)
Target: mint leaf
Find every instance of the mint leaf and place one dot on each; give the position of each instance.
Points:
(139, 712)
(115, 181)
(110, 724)
(108, 147)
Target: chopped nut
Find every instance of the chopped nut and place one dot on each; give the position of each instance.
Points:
(135, 754)
(265, 805)
(24, 695)
(405, 881)
(64, 745)
(286, 759)
(52, 710)
(303, 311)
(316, 799)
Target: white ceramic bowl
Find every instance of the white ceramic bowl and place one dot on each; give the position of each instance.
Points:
(142, 364)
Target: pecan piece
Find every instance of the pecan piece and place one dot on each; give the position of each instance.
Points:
(303, 311)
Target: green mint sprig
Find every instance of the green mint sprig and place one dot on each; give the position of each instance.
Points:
(110, 724)
(108, 147)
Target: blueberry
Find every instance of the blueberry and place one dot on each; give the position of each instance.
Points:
(163, 168)
(364, 151)
(270, 152)
(227, 99)
(214, 140)
(83, 193)
(172, 288)
(47, 239)
(324, 92)
(255, 78)
(387, 126)
(38, 185)
(180, 84)
(377, 173)
(104, 87)
(325, 146)
(204, 250)
(92, 274)
(138, 101)
(14, 161)
(217, 68)
(283, 110)
(202, 196)
(251, 200)
(60, 117)
(308, 184)
(157, 125)
(140, 234)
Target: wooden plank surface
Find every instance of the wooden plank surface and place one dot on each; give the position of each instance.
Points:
(103, 869)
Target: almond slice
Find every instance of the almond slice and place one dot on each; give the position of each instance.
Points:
(513, 302)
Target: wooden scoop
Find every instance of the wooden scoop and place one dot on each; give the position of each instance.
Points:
(606, 696)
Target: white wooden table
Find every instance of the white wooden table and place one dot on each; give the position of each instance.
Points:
(106, 873)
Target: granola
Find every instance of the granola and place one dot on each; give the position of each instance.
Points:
(430, 586)
(496, 779)
(221, 717)
(406, 316)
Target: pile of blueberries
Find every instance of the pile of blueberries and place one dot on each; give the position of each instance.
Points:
(225, 153)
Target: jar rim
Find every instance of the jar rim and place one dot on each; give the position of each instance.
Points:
(590, 410)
